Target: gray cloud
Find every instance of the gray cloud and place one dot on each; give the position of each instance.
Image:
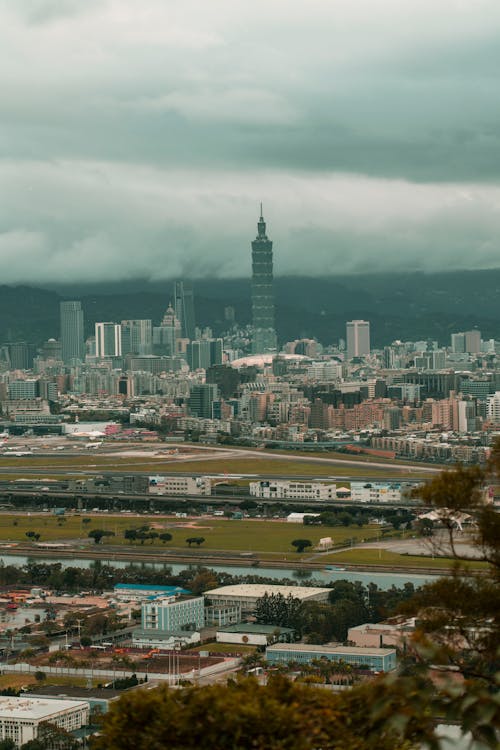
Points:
(138, 138)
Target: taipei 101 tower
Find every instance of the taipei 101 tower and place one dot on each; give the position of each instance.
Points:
(264, 334)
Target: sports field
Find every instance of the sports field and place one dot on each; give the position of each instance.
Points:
(246, 535)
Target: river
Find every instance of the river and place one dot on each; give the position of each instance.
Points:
(320, 577)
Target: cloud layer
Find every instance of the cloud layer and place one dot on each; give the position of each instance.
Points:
(138, 138)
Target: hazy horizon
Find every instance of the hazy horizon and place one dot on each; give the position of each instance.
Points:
(139, 139)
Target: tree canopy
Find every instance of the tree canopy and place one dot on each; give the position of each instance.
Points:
(242, 715)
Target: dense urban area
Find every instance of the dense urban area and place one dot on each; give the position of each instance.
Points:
(179, 509)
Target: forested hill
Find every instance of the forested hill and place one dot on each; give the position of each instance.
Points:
(399, 306)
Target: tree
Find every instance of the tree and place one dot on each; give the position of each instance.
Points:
(165, 537)
(98, 534)
(52, 737)
(276, 609)
(40, 676)
(195, 540)
(281, 715)
(301, 544)
(8, 744)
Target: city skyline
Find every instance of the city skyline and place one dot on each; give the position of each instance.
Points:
(145, 158)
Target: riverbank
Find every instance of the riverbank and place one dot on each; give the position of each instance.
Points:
(208, 559)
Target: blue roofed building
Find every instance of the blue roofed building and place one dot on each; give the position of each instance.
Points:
(142, 591)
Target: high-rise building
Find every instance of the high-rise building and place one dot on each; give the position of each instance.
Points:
(137, 337)
(167, 334)
(201, 399)
(184, 308)
(20, 355)
(358, 338)
(108, 340)
(72, 340)
(473, 342)
(51, 349)
(264, 333)
(458, 343)
(198, 354)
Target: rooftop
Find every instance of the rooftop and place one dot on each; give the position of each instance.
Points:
(332, 649)
(253, 627)
(68, 692)
(35, 708)
(149, 587)
(257, 590)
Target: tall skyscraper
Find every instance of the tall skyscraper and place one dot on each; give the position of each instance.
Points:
(72, 341)
(108, 340)
(264, 334)
(473, 341)
(184, 308)
(137, 337)
(166, 335)
(358, 338)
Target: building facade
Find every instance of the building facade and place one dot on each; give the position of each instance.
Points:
(374, 659)
(171, 614)
(184, 308)
(108, 340)
(264, 334)
(20, 718)
(284, 489)
(358, 338)
(72, 331)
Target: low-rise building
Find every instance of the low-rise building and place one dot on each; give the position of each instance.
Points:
(254, 634)
(374, 659)
(294, 490)
(381, 634)
(247, 594)
(173, 613)
(20, 718)
(141, 591)
(160, 485)
(295, 517)
(159, 639)
(380, 492)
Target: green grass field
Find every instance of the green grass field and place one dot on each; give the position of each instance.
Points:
(258, 466)
(219, 534)
(385, 557)
(20, 680)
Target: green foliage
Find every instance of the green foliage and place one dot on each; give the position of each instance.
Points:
(8, 744)
(301, 544)
(244, 715)
(98, 534)
(276, 609)
(195, 540)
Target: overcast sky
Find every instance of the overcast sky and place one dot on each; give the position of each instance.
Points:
(138, 137)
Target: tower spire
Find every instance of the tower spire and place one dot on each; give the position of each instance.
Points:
(261, 225)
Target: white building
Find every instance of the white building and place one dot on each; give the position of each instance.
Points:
(246, 594)
(108, 340)
(296, 517)
(358, 338)
(20, 718)
(291, 489)
(173, 613)
(160, 485)
(166, 641)
(379, 492)
(493, 408)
